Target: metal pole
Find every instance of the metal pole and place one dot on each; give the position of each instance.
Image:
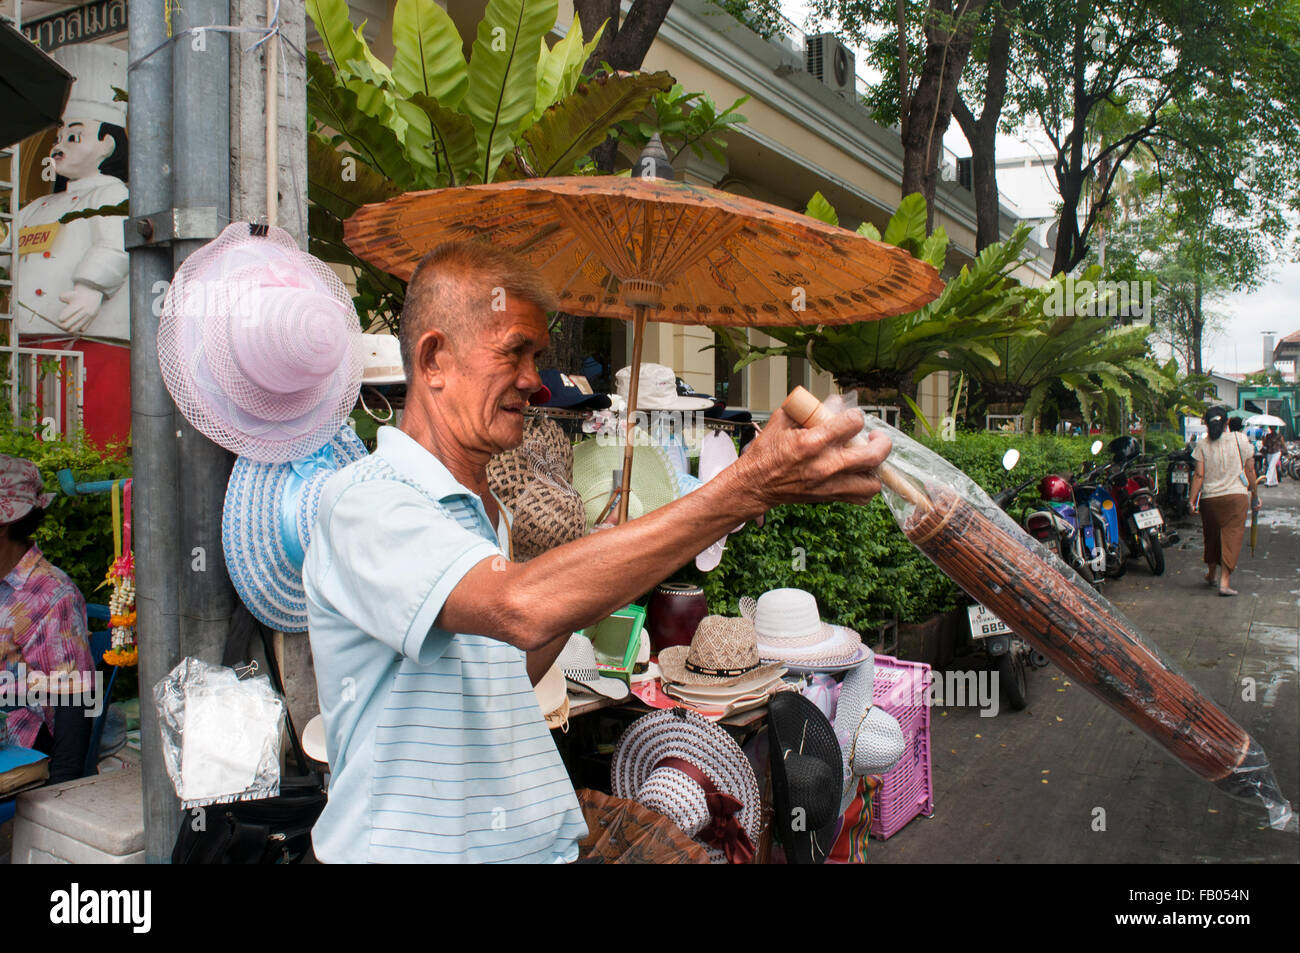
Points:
(201, 167)
(153, 415)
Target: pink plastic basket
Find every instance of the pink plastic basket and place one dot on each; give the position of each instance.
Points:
(902, 689)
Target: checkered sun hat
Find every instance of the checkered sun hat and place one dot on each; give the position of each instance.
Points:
(267, 523)
(691, 771)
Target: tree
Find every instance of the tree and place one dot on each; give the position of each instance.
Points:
(886, 359)
(992, 59)
(930, 40)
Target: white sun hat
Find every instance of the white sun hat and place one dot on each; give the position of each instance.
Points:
(553, 698)
(657, 390)
(257, 345)
(790, 630)
(381, 360)
(676, 762)
(578, 662)
(870, 738)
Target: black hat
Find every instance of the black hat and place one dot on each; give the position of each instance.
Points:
(807, 777)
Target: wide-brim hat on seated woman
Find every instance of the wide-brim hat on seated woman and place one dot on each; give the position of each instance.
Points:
(691, 771)
(258, 345)
(266, 525)
(790, 630)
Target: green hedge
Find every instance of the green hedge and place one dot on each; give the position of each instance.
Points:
(77, 532)
(855, 560)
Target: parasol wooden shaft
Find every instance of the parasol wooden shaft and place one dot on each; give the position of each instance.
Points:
(638, 338)
(807, 411)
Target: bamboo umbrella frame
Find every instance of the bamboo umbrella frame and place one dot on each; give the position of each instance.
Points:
(1077, 629)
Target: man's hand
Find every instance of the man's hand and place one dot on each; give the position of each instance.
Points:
(790, 464)
(83, 304)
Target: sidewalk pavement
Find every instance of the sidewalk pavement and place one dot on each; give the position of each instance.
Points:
(1026, 786)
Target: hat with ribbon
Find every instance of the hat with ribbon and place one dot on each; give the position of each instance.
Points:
(20, 489)
(679, 764)
(807, 770)
(266, 526)
(790, 630)
(381, 360)
(870, 738)
(723, 651)
(257, 344)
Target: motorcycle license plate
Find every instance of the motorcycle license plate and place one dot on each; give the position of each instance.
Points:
(1145, 519)
(1178, 476)
(984, 623)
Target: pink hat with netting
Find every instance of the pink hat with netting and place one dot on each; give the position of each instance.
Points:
(257, 344)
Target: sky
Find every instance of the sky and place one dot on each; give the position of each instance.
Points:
(1235, 349)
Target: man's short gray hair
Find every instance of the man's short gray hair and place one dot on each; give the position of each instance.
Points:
(459, 284)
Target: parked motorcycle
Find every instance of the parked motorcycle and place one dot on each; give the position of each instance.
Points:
(1178, 483)
(1133, 484)
(1062, 524)
(1008, 655)
(1093, 487)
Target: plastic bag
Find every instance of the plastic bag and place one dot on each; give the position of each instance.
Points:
(971, 540)
(220, 734)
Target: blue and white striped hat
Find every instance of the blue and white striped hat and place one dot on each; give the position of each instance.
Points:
(267, 523)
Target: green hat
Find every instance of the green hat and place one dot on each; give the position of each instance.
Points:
(655, 482)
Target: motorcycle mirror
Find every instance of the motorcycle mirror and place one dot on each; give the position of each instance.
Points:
(1096, 447)
(1010, 459)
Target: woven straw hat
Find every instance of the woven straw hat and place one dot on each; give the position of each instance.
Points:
(871, 739)
(723, 651)
(638, 772)
(257, 344)
(807, 770)
(654, 481)
(790, 630)
(266, 526)
(545, 450)
(545, 515)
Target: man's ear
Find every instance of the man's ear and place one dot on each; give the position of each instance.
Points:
(432, 358)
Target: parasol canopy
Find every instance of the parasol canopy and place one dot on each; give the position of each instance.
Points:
(1265, 420)
(718, 258)
(621, 247)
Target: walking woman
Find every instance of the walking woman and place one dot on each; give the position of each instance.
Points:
(1223, 487)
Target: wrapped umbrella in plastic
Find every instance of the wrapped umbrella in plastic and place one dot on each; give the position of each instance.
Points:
(973, 542)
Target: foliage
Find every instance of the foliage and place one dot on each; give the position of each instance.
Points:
(762, 16)
(77, 532)
(855, 560)
(975, 308)
(431, 119)
(684, 121)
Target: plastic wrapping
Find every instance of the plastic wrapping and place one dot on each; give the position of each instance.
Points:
(983, 550)
(220, 735)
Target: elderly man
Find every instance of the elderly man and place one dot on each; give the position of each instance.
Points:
(427, 640)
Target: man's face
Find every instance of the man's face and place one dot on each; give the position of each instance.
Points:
(77, 153)
(491, 375)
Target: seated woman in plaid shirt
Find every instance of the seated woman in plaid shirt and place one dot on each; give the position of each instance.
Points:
(45, 663)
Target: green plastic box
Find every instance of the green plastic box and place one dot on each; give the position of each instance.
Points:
(617, 639)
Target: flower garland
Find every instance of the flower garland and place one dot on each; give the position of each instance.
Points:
(121, 607)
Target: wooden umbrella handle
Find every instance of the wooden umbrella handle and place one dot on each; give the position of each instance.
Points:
(807, 411)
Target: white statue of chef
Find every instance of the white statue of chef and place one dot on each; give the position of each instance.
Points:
(72, 276)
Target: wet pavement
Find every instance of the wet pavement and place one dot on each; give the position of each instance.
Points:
(1069, 781)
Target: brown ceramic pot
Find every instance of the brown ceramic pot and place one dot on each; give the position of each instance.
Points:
(673, 614)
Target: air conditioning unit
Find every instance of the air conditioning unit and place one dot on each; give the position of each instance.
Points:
(830, 61)
(966, 173)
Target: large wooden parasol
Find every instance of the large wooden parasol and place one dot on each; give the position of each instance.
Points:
(630, 248)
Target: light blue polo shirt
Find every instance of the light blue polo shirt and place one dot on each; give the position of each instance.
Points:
(437, 749)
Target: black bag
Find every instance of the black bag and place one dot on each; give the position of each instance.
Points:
(273, 830)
